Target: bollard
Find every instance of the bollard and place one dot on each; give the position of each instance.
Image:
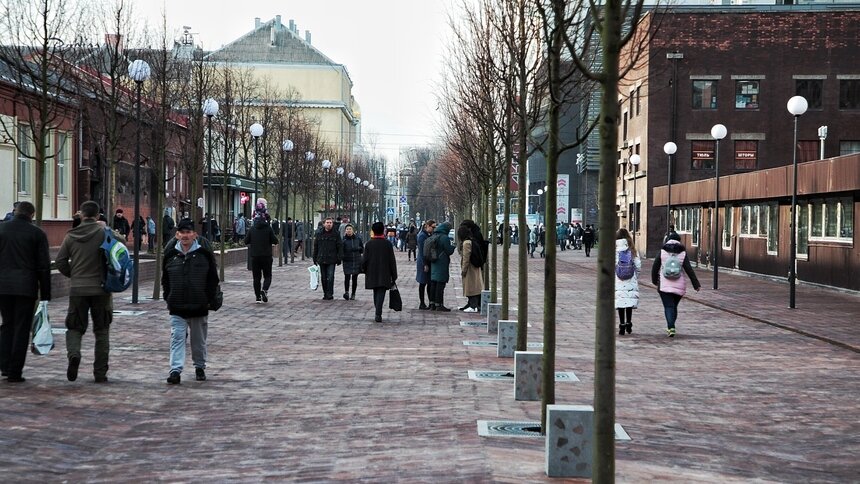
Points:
(569, 437)
(485, 299)
(507, 338)
(528, 366)
(494, 310)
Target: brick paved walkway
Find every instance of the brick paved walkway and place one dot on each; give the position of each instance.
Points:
(306, 390)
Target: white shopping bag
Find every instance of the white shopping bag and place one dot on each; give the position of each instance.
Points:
(315, 277)
(43, 340)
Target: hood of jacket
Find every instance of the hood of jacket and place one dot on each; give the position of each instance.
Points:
(85, 232)
(442, 228)
(673, 247)
(260, 223)
(621, 245)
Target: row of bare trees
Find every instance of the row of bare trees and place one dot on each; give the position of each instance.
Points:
(514, 67)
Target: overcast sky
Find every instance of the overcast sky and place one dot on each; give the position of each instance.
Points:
(391, 48)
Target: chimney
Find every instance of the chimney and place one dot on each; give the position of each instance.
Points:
(272, 36)
(257, 22)
(292, 25)
(114, 41)
(278, 21)
(308, 36)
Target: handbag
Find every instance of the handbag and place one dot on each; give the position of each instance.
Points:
(314, 271)
(43, 339)
(394, 301)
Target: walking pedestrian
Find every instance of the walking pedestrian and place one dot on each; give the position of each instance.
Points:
(287, 232)
(627, 267)
(473, 282)
(422, 267)
(379, 267)
(439, 269)
(328, 252)
(150, 233)
(260, 239)
(667, 274)
(542, 240)
(353, 247)
(81, 259)
(411, 243)
(588, 239)
(190, 285)
(168, 226)
(300, 239)
(10, 214)
(241, 228)
(25, 272)
(532, 242)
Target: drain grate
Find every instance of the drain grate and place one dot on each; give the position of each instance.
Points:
(140, 299)
(235, 282)
(490, 375)
(495, 343)
(507, 428)
(473, 324)
(128, 313)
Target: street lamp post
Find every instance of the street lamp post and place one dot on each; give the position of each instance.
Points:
(718, 132)
(139, 72)
(339, 172)
(326, 166)
(351, 177)
(287, 147)
(822, 135)
(634, 162)
(256, 130)
(670, 149)
(797, 105)
(210, 108)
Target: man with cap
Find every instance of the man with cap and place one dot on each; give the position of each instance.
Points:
(120, 224)
(190, 284)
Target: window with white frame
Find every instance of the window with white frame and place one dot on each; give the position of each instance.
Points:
(773, 228)
(696, 225)
(832, 219)
(25, 176)
(802, 229)
(727, 227)
(64, 144)
(761, 220)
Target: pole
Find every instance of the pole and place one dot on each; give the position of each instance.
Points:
(256, 156)
(635, 208)
(209, 180)
(792, 275)
(716, 221)
(669, 196)
(135, 224)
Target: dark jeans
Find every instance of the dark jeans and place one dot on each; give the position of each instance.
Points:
(150, 239)
(437, 293)
(346, 279)
(410, 254)
(261, 268)
(17, 313)
(670, 307)
(625, 315)
(475, 301)
(588, 249)
(327, 275)
(100, 308)
(379, 299)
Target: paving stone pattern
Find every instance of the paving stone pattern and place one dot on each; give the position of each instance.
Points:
(307, 390)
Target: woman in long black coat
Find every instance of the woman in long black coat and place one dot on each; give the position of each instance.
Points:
(353, 247)
(379, 267)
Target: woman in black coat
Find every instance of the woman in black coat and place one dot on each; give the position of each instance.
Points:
(353, 247)
(379, 267)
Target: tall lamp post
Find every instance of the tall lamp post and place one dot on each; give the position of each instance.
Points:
(634, 162)
(670, 149)
(326, 166)
(286, 148)
(339, 172)
(365, 184)
(256, 130)
(351, 177)
(718, 132)
(540, 202)
(797, 105)
(210, 108)
(139, 72)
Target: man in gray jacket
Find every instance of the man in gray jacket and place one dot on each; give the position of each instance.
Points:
(81, 259)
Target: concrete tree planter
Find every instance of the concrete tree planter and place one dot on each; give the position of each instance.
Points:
(528, 368)
(494, 311)
(507, 338)
(485, 299)
(569, 437)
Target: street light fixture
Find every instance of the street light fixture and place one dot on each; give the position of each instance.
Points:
(139, 72)
(326, 166)
(210, 108)
(287, 146)
(256, 131)
(634, 161)
(797, 105)
(339, 172)
(670, 149)
(718, 132)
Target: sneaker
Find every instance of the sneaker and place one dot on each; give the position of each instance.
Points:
(352, 297)
(72, 371)
(470, 310)
(101, 379)
(378, 319)
(264, 296)
(464, 307)
(174, 378)
(443, 308)
(201, 374)
(670, 332)
(346, 296)
(259, 299)
(423, 307)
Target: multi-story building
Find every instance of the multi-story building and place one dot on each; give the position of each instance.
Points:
(738, 66)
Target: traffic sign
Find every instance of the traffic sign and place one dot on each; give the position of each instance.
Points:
(402, 198)
(390, 211)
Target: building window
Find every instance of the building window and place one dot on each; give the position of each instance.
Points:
(638, 100)
(48, 165)
(849, 147)
(832, 219)
(703, 155)
(727, 227)
(704, 94)
(807, 150)
(849, 94)
(63, 158)
(746, 155)
(811, 89)
(25, 177)
(746, 94)
(695, 228)
(772, 228)
(802, 229)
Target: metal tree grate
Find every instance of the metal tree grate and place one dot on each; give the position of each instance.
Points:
(473, 324)
(495, 343)
(508, 428)
(491, 375)
(128, 313)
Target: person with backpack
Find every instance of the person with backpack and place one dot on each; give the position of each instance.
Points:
(667, 274)
(422, 267)
(441, 248)
(25, 274)
(471, 262)
(627, 267)
(82, 259)
(190, 285)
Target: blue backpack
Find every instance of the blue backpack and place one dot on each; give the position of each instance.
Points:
(625, 268)
(119, 266)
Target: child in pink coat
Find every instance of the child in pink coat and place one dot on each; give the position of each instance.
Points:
(667, 274)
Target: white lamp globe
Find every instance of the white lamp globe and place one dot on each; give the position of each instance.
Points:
(210, 107)
(351, 176)
(719, 131)
(357, 180)
(540, 191)
(287, 145)
(797, 105)
(371, 186)
(365, 183)
(339, 170)
(309, 155)
(326, 164)
(670, 148)
(256, 130)
(139, 71)
(635, 160)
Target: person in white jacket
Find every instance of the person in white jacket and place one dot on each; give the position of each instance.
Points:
(627, 267)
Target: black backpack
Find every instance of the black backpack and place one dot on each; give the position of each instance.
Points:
(431, 251)
(476, 257)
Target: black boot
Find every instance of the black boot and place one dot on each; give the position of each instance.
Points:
(621, 329)
(629, 328)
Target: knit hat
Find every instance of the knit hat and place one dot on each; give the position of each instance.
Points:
(185, 224)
